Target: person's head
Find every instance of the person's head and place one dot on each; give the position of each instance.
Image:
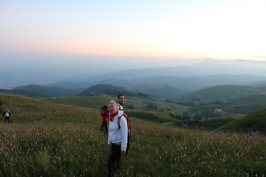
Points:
(121, 98)
(7, 110)
(104, 107)
(112, 107)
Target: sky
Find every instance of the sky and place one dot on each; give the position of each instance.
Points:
(143, 29)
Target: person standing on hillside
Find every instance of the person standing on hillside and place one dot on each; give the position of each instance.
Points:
(104, 114)
(117, 137)
(120, 102)
(7, 115)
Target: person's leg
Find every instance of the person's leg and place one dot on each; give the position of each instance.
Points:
(105, 126)
(114, 159)
(101, 128)
(128, 139)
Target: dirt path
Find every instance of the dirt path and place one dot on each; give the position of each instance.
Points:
(166, 123)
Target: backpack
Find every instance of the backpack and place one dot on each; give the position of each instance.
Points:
(128, 128)
(128, 122)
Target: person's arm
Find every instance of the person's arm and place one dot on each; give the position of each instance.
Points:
(109, 139)
(124, 133)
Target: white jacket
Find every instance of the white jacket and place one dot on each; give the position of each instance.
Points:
(116, 135)
(120, 106)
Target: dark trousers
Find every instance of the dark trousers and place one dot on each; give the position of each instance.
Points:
(114, 159)
(7, 119)
(104, 126)
(128, 138)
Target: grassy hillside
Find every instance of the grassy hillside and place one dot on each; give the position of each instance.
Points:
(50, 139)
(232, 99)
(104, 89)
(219, 93)
(255, 121)
(208, 124)
(158, 90)
(131, 103)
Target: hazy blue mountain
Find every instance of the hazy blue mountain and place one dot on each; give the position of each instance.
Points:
(181, 85)
(202, 68)
(189, 83)
(67, 72)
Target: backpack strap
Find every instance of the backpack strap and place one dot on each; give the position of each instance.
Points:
(118, 122)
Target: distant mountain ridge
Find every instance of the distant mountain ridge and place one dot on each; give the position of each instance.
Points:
(158, 87)
(205, 67)
(189, 83)
(87, 75)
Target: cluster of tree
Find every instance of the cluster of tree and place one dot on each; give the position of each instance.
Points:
(131, 106)
(142, 95)
(151, 106)
(185, 116)
(190, 104)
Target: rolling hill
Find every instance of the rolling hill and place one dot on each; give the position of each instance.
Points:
(187, 83)
(42, 91)
(104, 89)
(255, 122)
(219, 93)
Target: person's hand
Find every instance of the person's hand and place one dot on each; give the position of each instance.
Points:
(123, 152)
(110, 147)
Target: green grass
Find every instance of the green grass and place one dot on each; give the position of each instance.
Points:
(50, 139)
(139, 103)
(219, 93)
(151, 116)
(255, 121)
(210, 123)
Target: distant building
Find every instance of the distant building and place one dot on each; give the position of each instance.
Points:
(218, 111)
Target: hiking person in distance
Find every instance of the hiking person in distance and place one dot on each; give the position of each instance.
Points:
(117, 137)
(7, 115)
(120, 101)
(104, 114)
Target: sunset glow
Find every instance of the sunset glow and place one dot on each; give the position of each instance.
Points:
(222, 30)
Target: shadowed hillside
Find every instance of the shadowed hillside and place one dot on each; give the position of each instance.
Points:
(255, 121)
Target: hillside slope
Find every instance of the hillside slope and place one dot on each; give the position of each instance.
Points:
(219, 93)
(49, 139)
(255, 121)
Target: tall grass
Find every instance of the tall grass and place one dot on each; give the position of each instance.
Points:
(72, 145)
(45, 149)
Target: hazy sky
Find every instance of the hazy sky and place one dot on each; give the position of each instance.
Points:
(176, 29)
